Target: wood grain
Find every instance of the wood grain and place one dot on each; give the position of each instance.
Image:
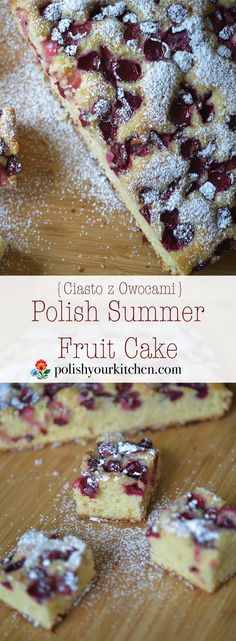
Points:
(132, 601)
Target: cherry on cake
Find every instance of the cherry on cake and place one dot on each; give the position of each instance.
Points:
(151, 88)
(39, 414)
(117, 480)
(45, 576)
(10, 164)
(196, 538)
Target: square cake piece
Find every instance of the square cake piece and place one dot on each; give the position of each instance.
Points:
(10, 164)
(196, 538)
(151, 88)
(117, 480)
(45, 576)
(35, 415)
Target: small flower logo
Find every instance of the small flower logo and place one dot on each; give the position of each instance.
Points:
(40, 370)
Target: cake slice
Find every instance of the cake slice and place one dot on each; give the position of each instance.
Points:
(10, 164)
(35, 415)
(151, 88)
(196, 538)
(45, 576)
(117, 480)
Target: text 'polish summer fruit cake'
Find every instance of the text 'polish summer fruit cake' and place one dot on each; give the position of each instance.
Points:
(45, 576)
(196, 538)
(10, 164)
(118, 479)
(151, 87)
(33, 415)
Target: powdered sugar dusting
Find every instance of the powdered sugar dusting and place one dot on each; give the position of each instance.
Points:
(45, 133)
(160, 83)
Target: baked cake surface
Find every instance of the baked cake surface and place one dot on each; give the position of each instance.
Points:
(117, 479)
(151, 88)
(34, 415)
(45, 576)
(196, 538)
(10, 164)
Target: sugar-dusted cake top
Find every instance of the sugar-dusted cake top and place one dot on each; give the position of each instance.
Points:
(46, 563)
(116, 456)
(156, 82)
(200, 516)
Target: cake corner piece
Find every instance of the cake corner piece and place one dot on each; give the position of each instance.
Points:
(118, 479)
(195, 537)
(45, 576)
(156, 106)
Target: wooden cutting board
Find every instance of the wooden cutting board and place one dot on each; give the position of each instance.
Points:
(106, 248)
(132, 600)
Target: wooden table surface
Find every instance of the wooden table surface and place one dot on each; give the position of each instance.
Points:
(132, 600)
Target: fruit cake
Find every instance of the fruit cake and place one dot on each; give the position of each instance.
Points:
(34, 415)
(10, 164)
(118, 479)
(150, 85)
(196, 538)
(45, 576)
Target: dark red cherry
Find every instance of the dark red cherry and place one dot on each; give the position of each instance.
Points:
(60, 420)
(201, 388)
(42, 588)
(89, 61)
(112, 466)
(3, 148)
(175, 239)
(130, 401)
(218, 176)
(195, 501)
(137, 470)
(50, 389)
(14, 566)
(227, 245)
(87, 485)
(226, 518)
(131, 31)
(170, 218)
(108, 130)
(180, 113)
(177, 41)
(26, 395)
(153, 50)
(151, 532)
(188, 516)
(107, 449)
(207, 112)
(133, 490)
(190, 147)
(83, 28)
(126, 70)
(119, 158)
(92, 463)
(146, 443)
(232, 122)
(13, 166)
(172, 393)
